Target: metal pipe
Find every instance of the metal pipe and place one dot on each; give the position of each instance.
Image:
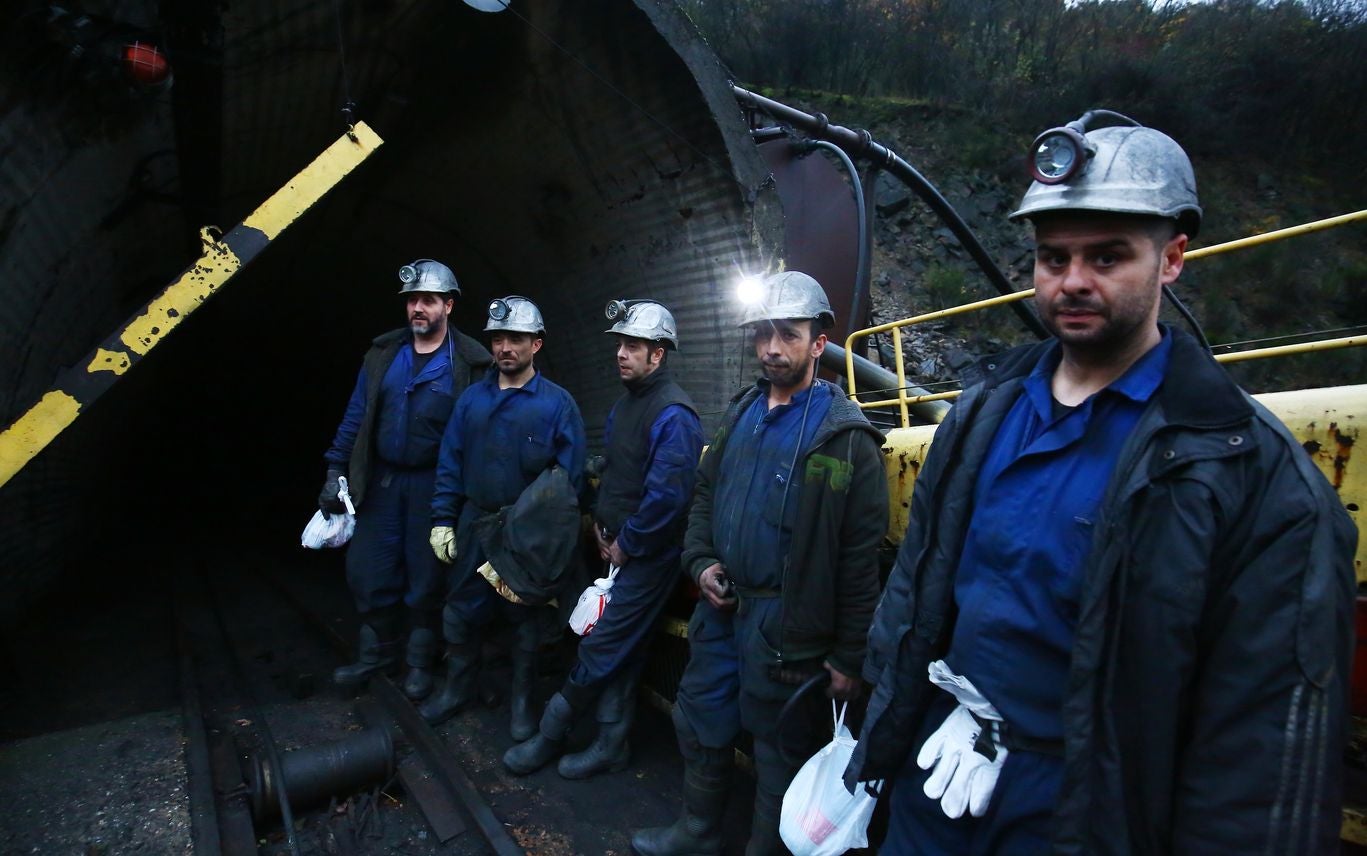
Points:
(870, 375)
(315, 773)
(861, 144)
(1279, 234)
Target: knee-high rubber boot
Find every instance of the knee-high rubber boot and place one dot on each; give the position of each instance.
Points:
(547, 743)
(522, 713)
(378, 649)
(764, 837)
(707, 784)
(610, 750)
(462, 670)
(421, 657)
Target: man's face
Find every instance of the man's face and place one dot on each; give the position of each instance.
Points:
(636, 358)
(1098, 280)
(513, 351)
(427, 313)
(786, 349)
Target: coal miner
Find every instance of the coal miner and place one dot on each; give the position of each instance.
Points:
(1121, 618)
(654, 440)
(387, 447)
(508, 429)
(782, 541)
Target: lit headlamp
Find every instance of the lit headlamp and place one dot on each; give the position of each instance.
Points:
(1059, 154)
(499, 310)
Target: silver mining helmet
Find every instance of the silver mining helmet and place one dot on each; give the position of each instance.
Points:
(427, 275)
(642, 319)
(1119, 170)
(790, 295)
(515, 314)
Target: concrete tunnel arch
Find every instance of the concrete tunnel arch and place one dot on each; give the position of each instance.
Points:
(572, 153)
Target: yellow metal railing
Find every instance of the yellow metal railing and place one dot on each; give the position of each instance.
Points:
(903, 401)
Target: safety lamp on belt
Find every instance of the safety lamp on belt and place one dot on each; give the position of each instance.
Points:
(499, 310)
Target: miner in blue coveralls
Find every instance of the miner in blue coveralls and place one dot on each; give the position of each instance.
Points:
(507, 429)
(387, 446)
(1121, 619)
(782, 540)
(654, 440)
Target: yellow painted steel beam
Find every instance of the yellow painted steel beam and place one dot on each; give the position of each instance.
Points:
(82, 384)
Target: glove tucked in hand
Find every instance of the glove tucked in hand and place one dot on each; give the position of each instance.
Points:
(966, 761)
(328, 501)
(443, 541)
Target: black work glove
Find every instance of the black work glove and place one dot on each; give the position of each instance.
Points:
(328, 502)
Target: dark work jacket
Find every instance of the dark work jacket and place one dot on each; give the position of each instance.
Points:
(354, 446)
(1205, 704)
(830, 585)
(624, 476)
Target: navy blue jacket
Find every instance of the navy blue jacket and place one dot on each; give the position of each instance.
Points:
(675, 445)
(396, 416)
(499, 440)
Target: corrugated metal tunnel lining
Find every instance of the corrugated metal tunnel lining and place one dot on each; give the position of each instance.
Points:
(568, 153)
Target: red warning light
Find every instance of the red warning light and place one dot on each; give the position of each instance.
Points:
(145, 63)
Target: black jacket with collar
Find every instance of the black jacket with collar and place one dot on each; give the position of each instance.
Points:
(1206, 701)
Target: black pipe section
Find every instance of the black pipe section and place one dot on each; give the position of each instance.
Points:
(872, 376)
(314, 774)
(862, 144)
(861, 270)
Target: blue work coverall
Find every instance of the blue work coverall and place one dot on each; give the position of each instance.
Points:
(389, 559)
(651, 539)
(496, 444)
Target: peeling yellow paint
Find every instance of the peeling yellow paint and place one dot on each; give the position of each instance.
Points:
(34, 430)
(109, 361)
(313, 182)
(178, 300)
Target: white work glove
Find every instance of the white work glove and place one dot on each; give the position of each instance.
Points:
(964, 777)
(443, 541)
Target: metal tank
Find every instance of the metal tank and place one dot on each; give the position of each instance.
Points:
(570, 152)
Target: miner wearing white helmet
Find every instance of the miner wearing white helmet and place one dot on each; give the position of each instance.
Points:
(653, 439)
(387, 445)
(782, 542)
(1120, 620)
(507, 429)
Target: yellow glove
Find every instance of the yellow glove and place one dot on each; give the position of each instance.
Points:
(443, 541)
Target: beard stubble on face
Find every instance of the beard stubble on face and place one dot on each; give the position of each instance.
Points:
(783, 374)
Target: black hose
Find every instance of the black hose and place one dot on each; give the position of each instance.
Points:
(862, 144)
(861, 270)
(1186, 313)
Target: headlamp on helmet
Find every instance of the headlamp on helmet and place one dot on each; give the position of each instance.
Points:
(642, 319)
(1061, 153)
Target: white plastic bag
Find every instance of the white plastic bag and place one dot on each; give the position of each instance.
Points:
(333, 531)
(592, 602)
(820, 817)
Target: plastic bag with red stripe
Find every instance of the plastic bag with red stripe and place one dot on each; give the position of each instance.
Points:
(592, 603)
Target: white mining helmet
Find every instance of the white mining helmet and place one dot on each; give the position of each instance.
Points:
(1118, 170)
(790, 296)
(427, 275)
(642, 319)
(515, 314)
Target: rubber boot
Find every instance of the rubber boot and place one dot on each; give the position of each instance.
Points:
(764, 837)
(378, 650)
(462, 683)
(609, 752)
(421, 657)
(548, 742)
(707, 784)
(522, 714)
